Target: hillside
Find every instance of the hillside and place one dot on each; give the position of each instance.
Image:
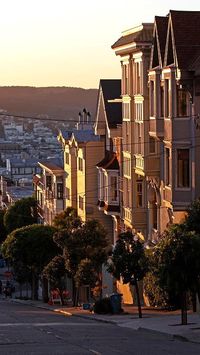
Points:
(57, 102)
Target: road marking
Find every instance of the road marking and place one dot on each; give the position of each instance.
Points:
(94, 352)
(47, 324)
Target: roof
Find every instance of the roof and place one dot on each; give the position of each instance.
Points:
(53, 165)
(110, 162)
(80, 135)
(111, 89)
(23, 162)
(186, 30)
(143, 34)
(161, 24)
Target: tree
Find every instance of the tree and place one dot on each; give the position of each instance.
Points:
(32, 247)
(83, 241)
(129, 262)
(178, 259)
(3, 231)
(55, 272)
(67, 219)
(22, 213)
(192, 218)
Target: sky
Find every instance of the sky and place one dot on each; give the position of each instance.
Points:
(68, 42)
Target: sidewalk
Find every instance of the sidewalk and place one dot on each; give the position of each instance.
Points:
(154, 321)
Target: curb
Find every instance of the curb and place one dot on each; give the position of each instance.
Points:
(85, 316)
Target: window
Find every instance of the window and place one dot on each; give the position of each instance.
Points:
(80, 199)
(127, 166)
(59, 190)
(128, 196)
(80, 164)
(138, 77)
(154, 215)
(162, 101)
(125, 79)
(152, 145)
(139, 198)
(48, 182)
(126, 110)
(152, 113)
(67, 158)
(139, 111)
(167, 111)
(183, 168)
(167, 166)
(113, 190)
(182, 103)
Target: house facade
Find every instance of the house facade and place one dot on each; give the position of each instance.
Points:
(82, 150)
(108, 125)
(49, 191)
(134, 48)
(174, 82)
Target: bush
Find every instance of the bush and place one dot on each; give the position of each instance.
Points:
(157, 296)
(103, 306)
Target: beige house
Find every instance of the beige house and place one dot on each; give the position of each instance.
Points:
(134, 47)
(174, 87)
(82, 150)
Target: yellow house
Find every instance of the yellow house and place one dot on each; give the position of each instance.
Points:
(82, 150)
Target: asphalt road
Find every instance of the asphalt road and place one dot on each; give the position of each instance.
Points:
(29, 330)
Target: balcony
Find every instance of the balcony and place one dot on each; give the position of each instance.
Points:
(139, 164)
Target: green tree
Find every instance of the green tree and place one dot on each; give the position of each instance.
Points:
(32, 247)
(83, 241)
(67, 219)
(178, 260)
(22, 213)
(129, 262)
(55, 272)
(192, 218)
(3, 231)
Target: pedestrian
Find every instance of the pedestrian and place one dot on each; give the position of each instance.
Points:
(0, 287)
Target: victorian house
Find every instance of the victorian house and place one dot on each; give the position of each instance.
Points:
(82, 149)
(108, 126)
(174, 89)
(49, 190)
(134, 48)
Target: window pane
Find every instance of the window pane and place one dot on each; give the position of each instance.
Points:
(183, 167)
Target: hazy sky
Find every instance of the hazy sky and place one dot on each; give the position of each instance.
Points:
(68, 42)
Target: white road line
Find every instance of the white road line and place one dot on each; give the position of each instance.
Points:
(94, 352)
(47, 324)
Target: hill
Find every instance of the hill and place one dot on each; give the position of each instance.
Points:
(56, 102)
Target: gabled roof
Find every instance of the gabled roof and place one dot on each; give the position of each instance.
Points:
(52, 165)
(159, 41)
(140, 34)
(161, 24)
(111, 89)
(110, 162)
(184, 28)
(81, 136)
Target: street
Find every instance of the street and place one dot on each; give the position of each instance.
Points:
(28, 330)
